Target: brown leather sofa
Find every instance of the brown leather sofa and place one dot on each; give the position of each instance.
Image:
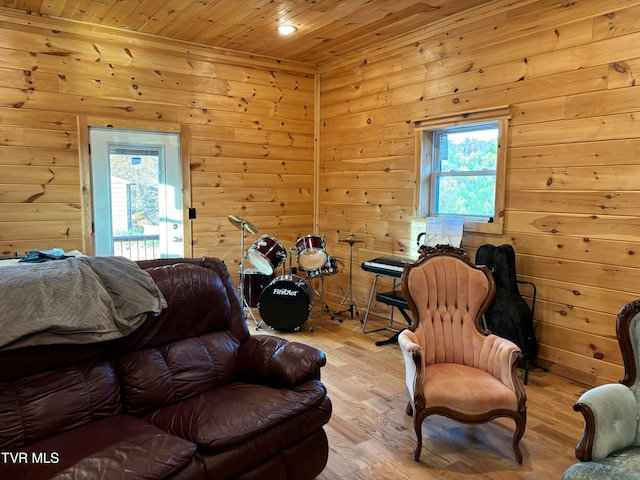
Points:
(188, 395)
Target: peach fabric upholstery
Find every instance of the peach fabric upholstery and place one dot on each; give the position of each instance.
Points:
(476, 391)
(452, 367)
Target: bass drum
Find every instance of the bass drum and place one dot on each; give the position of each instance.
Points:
(286, 302)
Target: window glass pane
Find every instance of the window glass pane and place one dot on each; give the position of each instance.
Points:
(468, 150)
(134, 194)
(465, 195)
(462, 171)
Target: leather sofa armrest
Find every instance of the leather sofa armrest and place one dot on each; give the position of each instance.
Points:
(271, 360)
(610, 421)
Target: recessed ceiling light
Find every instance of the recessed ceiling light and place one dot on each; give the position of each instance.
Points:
(286, 29)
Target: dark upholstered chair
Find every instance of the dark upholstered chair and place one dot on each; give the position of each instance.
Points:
(452, 367)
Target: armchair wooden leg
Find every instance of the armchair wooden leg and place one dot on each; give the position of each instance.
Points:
(517, 435)
(418, 428)
(417, 450)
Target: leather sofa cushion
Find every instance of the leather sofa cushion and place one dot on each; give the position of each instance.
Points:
(242, 425)
(28, 361)
(199, 300)
(236, 413)
(260, 459)
(116, 447)
(278, 362)
(156, 377)
(48, 403)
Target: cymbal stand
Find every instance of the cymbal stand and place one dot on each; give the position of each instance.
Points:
(245, 304)
(352, 306)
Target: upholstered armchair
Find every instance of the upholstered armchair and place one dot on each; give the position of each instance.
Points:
(610, 443)
(453, 368)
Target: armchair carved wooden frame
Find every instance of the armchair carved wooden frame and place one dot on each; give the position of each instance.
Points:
(610, 444)
(453, 367)
(625, 323)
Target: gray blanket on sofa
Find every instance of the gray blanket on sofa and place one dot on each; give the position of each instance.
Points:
(74, 300)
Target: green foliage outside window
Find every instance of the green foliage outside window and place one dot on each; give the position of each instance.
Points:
(465, 172)
(142, 175)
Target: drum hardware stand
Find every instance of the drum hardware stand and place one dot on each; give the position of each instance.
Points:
(308, 322)
(352, 306)
(292, 270)
(243, 225)
(324, 306)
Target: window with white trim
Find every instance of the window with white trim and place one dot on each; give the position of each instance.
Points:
(462, 168)
(463, 173)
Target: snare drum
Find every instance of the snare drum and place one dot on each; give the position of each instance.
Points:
(266, 254)
(253, 284)
(311, 252)
(329, 268)
(286, 302)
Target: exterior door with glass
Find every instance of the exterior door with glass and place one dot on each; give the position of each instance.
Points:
(136, 193)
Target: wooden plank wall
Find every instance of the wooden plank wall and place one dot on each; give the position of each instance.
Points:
(569, 71)
(249, 122)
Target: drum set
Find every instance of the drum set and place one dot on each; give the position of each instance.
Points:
(284, 301)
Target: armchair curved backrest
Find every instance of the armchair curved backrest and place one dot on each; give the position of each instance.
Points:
(453, 368)
(447, 298)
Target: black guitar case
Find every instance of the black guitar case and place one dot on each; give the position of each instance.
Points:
(509, 315)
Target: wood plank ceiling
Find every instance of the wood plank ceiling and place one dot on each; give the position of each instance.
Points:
(327, 29)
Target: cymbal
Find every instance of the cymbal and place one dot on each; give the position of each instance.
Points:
(351, 239)
(239, 222)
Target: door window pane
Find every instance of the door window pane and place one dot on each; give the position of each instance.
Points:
(136, 193)
(135, 208)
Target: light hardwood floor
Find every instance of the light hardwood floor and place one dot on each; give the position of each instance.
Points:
(371, 437)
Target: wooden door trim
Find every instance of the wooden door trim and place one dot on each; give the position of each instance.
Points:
(84, 123)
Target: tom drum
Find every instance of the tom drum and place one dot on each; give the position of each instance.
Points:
(311, 252)
(266, 254)
(329, 268)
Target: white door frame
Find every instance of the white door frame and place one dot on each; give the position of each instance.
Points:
(84, 122)
(102, 140)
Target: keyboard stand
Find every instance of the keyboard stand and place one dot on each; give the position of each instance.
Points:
(395, 299)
